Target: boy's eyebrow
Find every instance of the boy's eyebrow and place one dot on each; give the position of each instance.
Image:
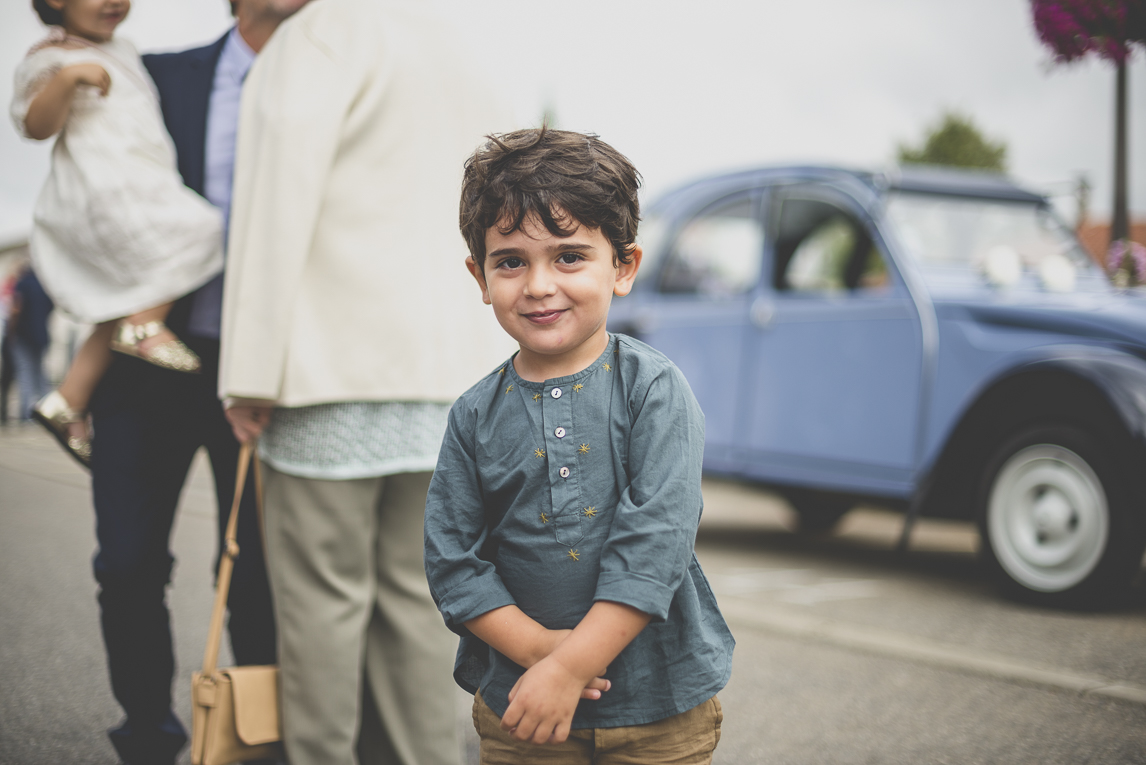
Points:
(564, 245)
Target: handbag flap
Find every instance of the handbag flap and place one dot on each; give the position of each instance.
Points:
(256, 693)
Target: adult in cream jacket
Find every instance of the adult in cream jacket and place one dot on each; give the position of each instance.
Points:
(350, 323)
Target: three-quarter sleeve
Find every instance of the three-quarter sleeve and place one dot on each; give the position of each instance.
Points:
(463, 583)
(650, 544)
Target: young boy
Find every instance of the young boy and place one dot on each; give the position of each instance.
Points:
(561, 517)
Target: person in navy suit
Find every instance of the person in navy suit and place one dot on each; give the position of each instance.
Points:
(149, 423)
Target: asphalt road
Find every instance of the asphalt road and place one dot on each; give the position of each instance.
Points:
(847, 651)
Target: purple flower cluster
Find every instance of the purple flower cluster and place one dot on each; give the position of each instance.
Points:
(1127, 256)
(1073, 28)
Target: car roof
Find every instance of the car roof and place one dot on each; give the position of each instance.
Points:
(919, 179)
(952, 181)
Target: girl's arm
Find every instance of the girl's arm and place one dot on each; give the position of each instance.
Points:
(49, 109)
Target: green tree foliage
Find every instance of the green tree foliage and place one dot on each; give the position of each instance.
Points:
(956, 142)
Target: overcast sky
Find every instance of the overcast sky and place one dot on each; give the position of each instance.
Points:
(686, 89)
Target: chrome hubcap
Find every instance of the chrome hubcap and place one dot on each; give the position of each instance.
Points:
(1047, 518)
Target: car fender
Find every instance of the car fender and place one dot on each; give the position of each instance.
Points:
(1108, 380)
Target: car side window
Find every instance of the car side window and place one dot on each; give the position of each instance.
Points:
(717, 253)
(821, 248)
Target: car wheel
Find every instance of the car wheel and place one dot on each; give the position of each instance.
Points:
(1056, 519)
(817, 513)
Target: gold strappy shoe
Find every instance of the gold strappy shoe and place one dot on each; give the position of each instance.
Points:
(172, 354)
(53, 412)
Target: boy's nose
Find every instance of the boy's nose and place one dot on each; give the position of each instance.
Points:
(540, 283)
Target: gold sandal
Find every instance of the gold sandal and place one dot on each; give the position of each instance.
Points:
(53, 412)
(172, 354)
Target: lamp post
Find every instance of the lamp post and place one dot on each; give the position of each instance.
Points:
(1107, 28)
(1120, 224)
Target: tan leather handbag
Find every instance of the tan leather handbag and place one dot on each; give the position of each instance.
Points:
(235, 710)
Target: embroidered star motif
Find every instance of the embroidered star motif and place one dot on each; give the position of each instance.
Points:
(544, 518)
(501, 371)
(536, 396)
(538, 453)
(507, 390)
(583, 448)
(589, 512)
(573, 554)
(578, 386)
(608, 368)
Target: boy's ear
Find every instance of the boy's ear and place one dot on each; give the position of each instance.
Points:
(479, 277)
(627, 272)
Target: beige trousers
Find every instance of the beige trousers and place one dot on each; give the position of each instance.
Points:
(688, 738)
(366, 661)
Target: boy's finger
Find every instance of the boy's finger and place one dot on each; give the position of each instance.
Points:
(562, 732)
(600, 684)
(511, 718)
(542, 733)
(527, 729)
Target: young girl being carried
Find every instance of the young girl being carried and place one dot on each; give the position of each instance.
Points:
(116, 235)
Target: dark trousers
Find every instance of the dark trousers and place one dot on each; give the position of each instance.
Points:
(148, 424)
(7, 374)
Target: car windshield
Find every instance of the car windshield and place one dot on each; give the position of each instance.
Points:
(1002, 241)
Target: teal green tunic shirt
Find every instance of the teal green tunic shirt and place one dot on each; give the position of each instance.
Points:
(554, 495)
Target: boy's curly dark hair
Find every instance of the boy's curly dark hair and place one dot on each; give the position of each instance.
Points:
(48, 14)
(563, 178)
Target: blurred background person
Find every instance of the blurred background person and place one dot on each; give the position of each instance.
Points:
(7, 375)
(349, 315)
(27, 327)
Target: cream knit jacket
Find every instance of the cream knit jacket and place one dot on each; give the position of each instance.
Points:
(345, 277)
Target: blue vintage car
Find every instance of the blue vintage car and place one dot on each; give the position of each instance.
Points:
(930, 340)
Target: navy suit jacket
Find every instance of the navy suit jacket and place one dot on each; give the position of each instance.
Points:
(184, 81)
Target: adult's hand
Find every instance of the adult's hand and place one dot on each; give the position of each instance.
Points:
(248, 417)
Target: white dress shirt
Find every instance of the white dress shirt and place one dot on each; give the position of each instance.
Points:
(219, 167)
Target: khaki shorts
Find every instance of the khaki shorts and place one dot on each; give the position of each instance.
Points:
(688, 738)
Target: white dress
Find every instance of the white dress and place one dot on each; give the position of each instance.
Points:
(115, 230)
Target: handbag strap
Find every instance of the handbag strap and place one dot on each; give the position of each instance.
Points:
(230, 552)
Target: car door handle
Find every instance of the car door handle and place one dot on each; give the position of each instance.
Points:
(762, 312)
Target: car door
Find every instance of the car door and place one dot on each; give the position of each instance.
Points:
(835, 352)
(697, 311)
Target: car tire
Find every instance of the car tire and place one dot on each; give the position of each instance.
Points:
(817, 513)
(1057, 519)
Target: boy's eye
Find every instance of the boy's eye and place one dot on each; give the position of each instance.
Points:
(511, 263)
(570, 257)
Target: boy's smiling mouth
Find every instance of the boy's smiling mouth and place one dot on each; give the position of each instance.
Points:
(545, 317)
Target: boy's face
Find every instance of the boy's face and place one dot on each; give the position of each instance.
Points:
(552, 294)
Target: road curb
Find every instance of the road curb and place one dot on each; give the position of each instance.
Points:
(906, 647)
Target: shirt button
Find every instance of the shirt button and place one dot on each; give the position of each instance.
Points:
(560, 432)
(564, 472)
(556, 393)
